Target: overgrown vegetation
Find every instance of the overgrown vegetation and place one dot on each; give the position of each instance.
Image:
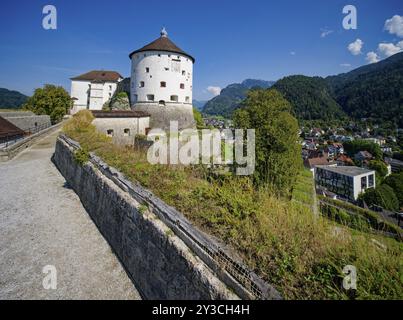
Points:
(301, 255)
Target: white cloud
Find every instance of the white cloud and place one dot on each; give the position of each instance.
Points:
(325, 32)
(347, 65)
(214, 90)
(389, 49)
(355, 47)
(395, 25)
(372, 57)
(292, 53)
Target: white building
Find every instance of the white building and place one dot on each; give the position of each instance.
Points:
(161, 83)
(92, 89)
(345, 181)
(122, 125)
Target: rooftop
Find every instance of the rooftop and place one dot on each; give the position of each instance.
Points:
(119, 114)
(7, 129)
(346, 170)
(163, 43)
(100, 76)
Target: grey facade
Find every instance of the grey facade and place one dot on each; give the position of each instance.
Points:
(345, 181)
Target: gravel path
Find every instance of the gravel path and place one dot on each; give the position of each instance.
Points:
(42, 222)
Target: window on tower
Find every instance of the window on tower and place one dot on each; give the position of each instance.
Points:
(174, 98)
(182, 86)
(183, 72)
(150, 97)
(141, 84)
(147, 70)
(163, 84)
(187, 99)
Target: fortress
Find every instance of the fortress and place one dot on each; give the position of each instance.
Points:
(161, 84)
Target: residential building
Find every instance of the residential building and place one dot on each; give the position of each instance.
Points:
(9, 133)
(347, 182)
(363, 156)
(396, 165)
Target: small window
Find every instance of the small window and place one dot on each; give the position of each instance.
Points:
(159, 55)
(182, 86)
(110, 88)
(126, 132)
(141, 84)
(110, 94)
(174, 98)
(163, 84)
(166, 69)
(109, 133)
(147, 70)
(187, 99)
(135, 97)
(161, 103)
(183, 72)
(150, 97)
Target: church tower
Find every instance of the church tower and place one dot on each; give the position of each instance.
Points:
(162, 83)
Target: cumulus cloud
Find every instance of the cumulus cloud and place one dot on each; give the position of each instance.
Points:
(355, 47)
(325, 32)
(214, 90)
(395, 25)
(372, 57)
(389, 49)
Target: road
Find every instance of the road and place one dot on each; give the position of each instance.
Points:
(43, 223)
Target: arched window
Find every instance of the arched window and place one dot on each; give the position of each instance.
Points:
(161, 103)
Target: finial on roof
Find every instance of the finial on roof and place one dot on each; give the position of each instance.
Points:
(164, 32)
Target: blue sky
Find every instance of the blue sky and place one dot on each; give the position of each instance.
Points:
(231, 39)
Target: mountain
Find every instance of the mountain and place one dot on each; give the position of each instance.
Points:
(11, 99)
(373, 91)
(230, 97)
(310, 98)
(199, 104)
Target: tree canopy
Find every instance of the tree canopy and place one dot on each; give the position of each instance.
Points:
(278, 159)
(50, 100)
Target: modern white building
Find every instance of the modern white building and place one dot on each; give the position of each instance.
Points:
(92, 89)
(162, 83)
(345, 181)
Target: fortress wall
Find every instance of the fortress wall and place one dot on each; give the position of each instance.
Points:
(166, 257)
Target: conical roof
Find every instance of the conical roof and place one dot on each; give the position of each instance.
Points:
(163, 43)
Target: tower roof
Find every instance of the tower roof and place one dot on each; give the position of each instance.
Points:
(163, 43)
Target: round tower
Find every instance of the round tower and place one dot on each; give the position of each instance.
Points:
(162, 83)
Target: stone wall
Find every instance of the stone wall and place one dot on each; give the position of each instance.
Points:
(166, 257)
(11, 151)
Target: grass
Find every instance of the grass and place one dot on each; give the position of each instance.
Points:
(304, 188)
(301, 255)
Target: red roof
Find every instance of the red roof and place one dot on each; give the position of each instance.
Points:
(100, 75)
(163, 43)
(7, 129)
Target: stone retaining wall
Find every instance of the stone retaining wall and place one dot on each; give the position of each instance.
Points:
(166, 257)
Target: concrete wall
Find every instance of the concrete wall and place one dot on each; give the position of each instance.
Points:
(161, 251)
(118, 125)
(11, 151)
